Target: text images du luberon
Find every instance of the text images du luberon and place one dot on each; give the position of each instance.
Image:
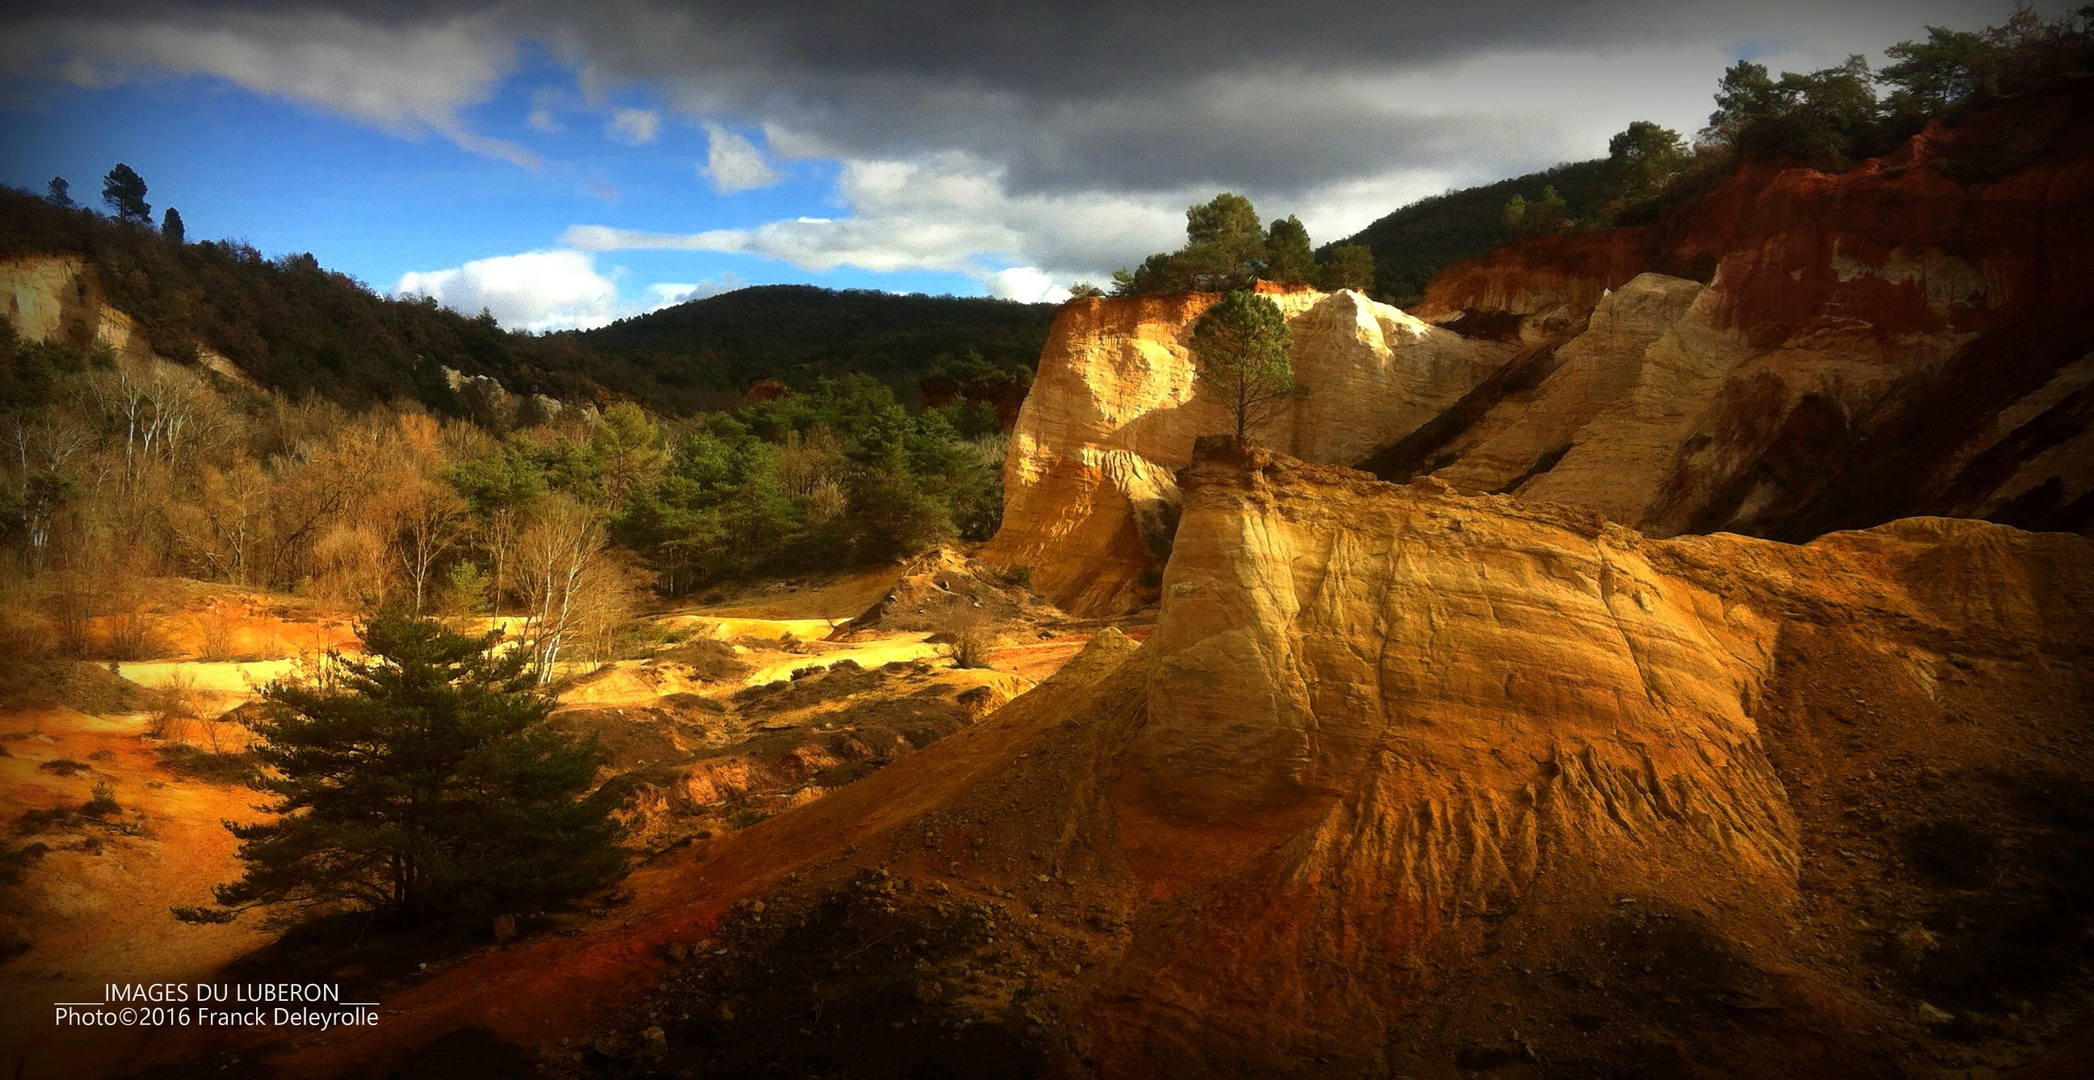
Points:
(246, 993)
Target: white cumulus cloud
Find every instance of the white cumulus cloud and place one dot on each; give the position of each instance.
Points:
(535, 291)
(734, 163)
(634, 127)
(1027, 284)
(951, 213)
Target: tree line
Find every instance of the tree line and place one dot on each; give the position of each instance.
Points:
(1227, 249)
(294, 326)
(1829, 119)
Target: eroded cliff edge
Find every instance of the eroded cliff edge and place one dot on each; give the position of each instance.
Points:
(1090, 502)
(1793, 352)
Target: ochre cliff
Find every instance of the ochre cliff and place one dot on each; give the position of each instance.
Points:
(1550, 282)
(1090, 500)
(1406, 779)
(61, 298)
(1792, 352)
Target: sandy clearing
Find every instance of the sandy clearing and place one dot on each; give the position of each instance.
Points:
(237, 678)
(727, 629)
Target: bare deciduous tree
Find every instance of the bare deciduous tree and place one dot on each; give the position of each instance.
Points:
(427, 527)
(554, 554)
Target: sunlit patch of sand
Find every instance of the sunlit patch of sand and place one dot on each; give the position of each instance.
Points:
(870, 654)
(727, 629)
(233, 678)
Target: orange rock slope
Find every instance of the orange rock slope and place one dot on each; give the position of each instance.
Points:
(1791, 353)
(1406, 780)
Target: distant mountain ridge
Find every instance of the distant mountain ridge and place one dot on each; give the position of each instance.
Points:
(798, 333)
(291, 325)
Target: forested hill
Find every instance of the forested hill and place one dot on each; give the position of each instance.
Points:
(287, 322)
(1416, 242)
(801, 332)
(295, 326)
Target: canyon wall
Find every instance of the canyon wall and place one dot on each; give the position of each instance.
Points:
(1908, 337)
(1791, 353)
(1373, 716)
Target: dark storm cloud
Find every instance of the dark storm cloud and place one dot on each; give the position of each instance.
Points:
(1070, 96)
(1066, 96)
(1018, 143)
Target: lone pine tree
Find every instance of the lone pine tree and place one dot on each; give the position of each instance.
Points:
(422, 782)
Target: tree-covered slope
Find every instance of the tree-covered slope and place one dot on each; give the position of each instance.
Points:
(297, 327)
(798, 333)
(1417, 241)
(286, 322)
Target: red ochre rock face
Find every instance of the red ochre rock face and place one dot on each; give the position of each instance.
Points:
(1958, 230)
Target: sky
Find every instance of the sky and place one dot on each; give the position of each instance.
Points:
(564, 165)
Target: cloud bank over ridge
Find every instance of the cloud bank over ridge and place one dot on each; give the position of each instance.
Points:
(1061, 138)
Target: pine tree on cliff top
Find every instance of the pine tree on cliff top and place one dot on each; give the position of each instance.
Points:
(422, 782)
(1241, 345)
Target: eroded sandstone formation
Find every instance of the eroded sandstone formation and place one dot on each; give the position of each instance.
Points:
(1090, 500)
(1908, 337)
(1791, 353)
(1383, 728)
(1406, 780)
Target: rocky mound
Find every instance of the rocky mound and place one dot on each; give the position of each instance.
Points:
(688, 765)
(1412, 782)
